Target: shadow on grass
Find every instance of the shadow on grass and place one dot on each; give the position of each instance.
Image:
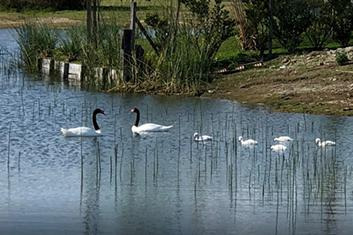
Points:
(127, 8)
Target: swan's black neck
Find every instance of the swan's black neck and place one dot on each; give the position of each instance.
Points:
(94, 119)
(137, 117)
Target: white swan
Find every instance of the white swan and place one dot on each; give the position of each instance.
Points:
(324, 143)
(283, 139)
(278, 148)
(201, 138)
(248, 142)
(84, 131)
(147, 127)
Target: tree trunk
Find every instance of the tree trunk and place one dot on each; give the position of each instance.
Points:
(95, 24)
(89, 20)
(270, 10)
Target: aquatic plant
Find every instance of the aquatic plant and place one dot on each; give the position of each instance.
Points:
(36, 40)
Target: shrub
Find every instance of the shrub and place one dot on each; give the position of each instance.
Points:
(341, 58)
(257, 15)
(291, 20)
(342, 11)
(320, 30)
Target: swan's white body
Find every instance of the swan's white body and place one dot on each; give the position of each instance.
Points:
(283, 139)
(278, 148)
(84, 131)
(80, 131)
(248, 142)
(149, 127)
(201, 138)
(324, 143)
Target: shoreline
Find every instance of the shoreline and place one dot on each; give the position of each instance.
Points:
(310, 83)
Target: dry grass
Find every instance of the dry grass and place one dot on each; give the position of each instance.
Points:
(311, 84)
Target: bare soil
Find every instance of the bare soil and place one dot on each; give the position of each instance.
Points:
(310, 83)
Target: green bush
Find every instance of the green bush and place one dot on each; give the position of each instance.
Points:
(291, 19)
(342, 11)
(320, 31)
(341, 58)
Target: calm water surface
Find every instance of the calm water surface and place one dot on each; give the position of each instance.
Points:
(165, 183)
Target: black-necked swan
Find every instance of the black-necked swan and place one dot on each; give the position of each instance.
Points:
(278, 148)
(201, 138)
(324, 143)
(248, 142)
(147, 127)
(283, 139)
(85, 131)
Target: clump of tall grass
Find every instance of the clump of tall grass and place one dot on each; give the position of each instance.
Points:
(70, 43)
(36, 40)
(75, 46)
(106, 53)
(181, 64)
(187, 46)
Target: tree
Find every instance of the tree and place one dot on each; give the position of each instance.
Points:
(92, 20)
(242, 24)
(291, 19)
(320, 29)
(342, 11)
(212, 26)
(257, 14)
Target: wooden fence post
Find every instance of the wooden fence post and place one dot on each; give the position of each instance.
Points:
(66, 71)
(148, 37)
(133, 22)
(127, 55)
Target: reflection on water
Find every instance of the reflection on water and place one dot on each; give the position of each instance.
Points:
(165, 183)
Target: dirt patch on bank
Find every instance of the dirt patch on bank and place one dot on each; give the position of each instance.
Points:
(310, 83)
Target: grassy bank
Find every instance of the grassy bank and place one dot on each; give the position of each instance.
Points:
(309, 83)
(64, 18)
(182, 62)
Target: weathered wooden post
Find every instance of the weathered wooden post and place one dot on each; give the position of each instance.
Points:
(66, 71)
(133, 22)
(134, 70)
(126, 53)
(39, 64)
(148, 37)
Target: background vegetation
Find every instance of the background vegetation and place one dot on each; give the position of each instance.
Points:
(40, 4)
(195, 38)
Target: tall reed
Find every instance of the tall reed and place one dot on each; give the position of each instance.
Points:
(36, 40)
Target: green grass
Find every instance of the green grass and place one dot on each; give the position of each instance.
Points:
(11, 17)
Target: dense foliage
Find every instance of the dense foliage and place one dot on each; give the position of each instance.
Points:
(320, 29)
(37, 4)
(292, 20)
(257, 21)
(342, 11)
(188, 48)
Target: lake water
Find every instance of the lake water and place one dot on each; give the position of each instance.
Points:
(165, 183)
